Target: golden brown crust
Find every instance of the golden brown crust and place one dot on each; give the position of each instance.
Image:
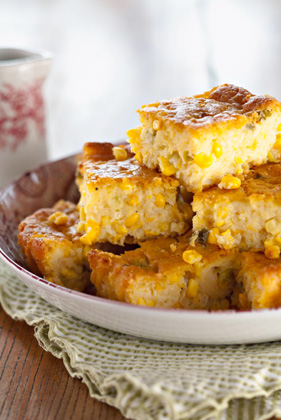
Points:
(263, 181)
(114, 171)
(261, 279)
(156, 261)
(99, 164)
(36, 228)
(223, 104)
(38, 224)
(257, 263)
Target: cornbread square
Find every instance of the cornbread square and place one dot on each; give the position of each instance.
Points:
(246, 217)
(51, 247)
(158, 274)
(124, 202)
(260, 279)
(200, 139)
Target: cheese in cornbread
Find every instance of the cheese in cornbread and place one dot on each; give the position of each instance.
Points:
(167, 273)
(248, 216)
(260, 279)
(200, 139)
(52, 248)
(122, 201)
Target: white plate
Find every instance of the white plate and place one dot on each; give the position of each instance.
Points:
(41, 188)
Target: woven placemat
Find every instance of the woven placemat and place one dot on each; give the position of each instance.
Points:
(149, 380)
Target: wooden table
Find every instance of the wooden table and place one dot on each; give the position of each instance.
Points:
(34, 385)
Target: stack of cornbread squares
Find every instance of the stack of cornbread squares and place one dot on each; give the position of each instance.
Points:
(188, 217)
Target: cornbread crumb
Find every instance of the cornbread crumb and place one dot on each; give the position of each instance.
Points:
(200, 139)
(157, 275)
(123, 202)
(53, 249)
(260, 281)
(248, 217)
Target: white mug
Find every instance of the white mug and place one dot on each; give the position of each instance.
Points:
(22, 111)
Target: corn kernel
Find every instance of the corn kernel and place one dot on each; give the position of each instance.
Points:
(91, 234)
(223, 212)
(121, 230)
(160, 200)
(156, 125)
(80, 227)
(239, 171)
(141, 301)
(133, 200)
(267, 243)
(186, 157)
(272, 252)
(150, 302)
(191, 257)
(53, 216)
(118, 238)
(173, 279)
(192, 288)
(120, 153)
(166, 167)
(150, 233)
(279, 127)
(229, 182)
(254, 145)
(271, 158)
(86, 249)
(58, 218)
(164, 227)
(278, 239)
(278, 141)
(226, 240)
(132, 220)
(134, 133)
(212, 238)
(217, 150)
(271, 226)
(238, 160)
(203, 161)
(126, 185)
(138, 157)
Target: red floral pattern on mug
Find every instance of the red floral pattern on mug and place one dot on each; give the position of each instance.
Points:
(19, 108)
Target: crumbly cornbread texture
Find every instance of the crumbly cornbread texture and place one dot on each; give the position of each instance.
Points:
(260, 279)
(167, 273)
(122, 201)
(246, 217)
(200, 139)
(52, 248)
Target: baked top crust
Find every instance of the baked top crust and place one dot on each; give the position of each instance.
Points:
(223, 104)
(39, 225)
(256, 264)
(99, 165)
(261, 181)
(165, 255)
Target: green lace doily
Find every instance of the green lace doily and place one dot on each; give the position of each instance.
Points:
(149, 380)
